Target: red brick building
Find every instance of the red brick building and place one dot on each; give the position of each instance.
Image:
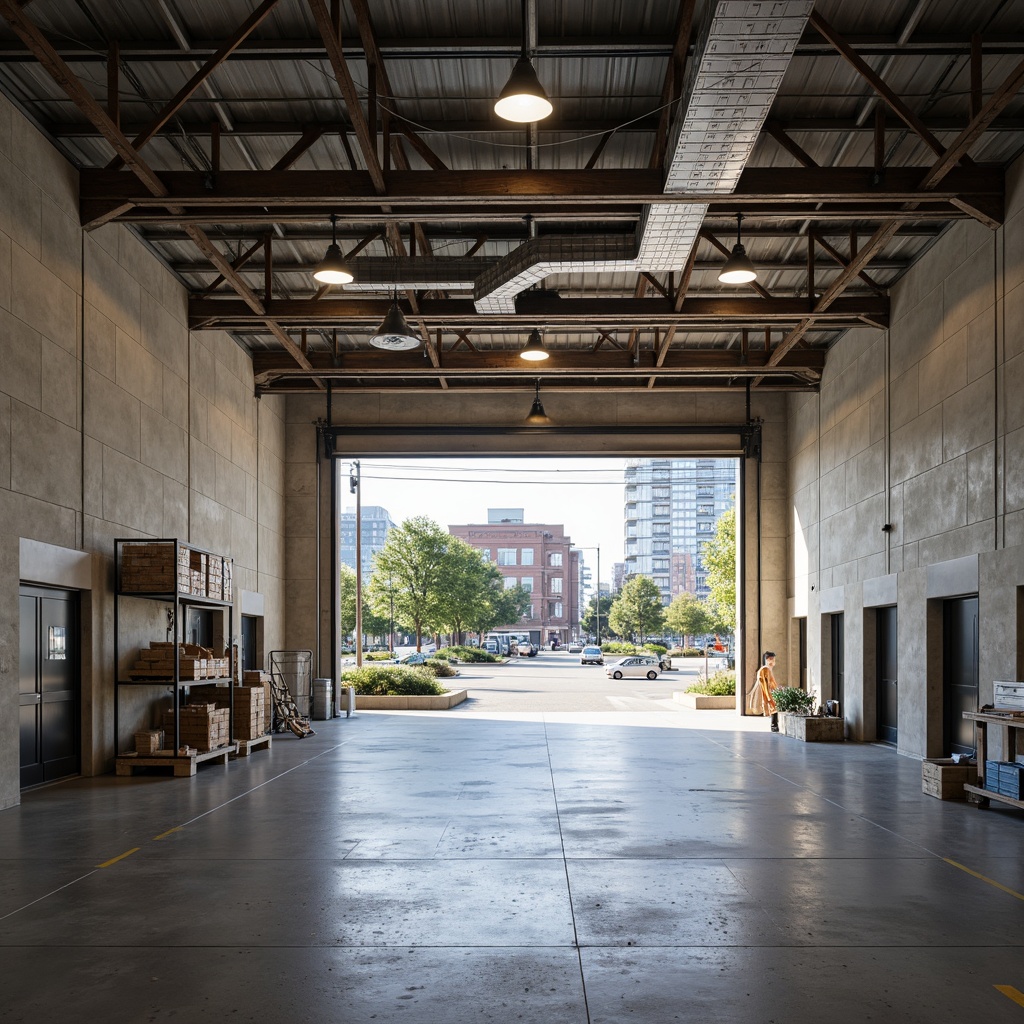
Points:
(539, 557)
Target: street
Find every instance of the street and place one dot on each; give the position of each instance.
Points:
(556, 681)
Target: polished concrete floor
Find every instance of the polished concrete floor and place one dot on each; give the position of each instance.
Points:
(552, 867)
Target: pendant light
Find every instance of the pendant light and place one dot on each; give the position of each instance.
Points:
(523, 99)
(534, 351)
(738, 269)
(538, 417)
(332, 268)
(394, 333)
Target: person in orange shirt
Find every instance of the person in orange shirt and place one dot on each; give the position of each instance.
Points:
(761, 701)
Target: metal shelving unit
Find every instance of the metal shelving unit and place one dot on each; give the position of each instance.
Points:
(178, 601)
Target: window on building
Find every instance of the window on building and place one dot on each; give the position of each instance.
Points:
(660, 529)
(705, 528)
(506, 556)
(555, 559)
(661, 492)
(529, 612)
(527, 583)
(527, 556)
(510, 582)
(555, 609)
(661, 563)
(486, 552)
(660, 549)
(556, 584)
(705, 510)
(662, 510)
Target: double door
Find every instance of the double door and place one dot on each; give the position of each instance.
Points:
(49, 690)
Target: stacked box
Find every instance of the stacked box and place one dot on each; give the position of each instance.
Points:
(202, 726)
(249, 709)
(197, 567)
(148, 569)
(1011, 775)
(253, 677)
(149, 741)
(941, 778)
(157, 662)
(215, 577)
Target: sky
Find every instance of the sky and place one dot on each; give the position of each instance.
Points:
(584, 495)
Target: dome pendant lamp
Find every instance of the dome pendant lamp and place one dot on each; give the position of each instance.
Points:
(394, 333)
(534, 351)
(523, 99)
(538, 417)
(332, 268)
(738, 269)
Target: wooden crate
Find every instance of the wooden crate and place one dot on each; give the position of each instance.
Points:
(943, 779)
(149, 741)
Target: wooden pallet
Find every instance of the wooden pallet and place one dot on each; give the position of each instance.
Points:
(183, 766)
(246, 747)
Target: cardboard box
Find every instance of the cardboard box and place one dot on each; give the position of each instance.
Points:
(943, 779)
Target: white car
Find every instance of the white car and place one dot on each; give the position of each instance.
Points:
(636, 666)
(591, 656)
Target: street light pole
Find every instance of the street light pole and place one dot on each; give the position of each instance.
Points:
(354, 488)
(599, 595)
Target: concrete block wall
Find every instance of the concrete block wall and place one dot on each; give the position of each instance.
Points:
(115, 421)
(919, 428)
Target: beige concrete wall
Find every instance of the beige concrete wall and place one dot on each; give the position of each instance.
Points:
(922, 428)
(415, 414)
(115, 422)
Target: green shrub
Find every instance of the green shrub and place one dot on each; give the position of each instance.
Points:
(692, 652)
(378, 656)
(441, 667)
(655, 649)
(391, 680)
(617, 647)
(792, 698)
(721, 684)
(468, 654)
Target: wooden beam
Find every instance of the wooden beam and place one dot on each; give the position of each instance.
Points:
(899, 108)
(724, 249)
(236, 264)
(977, 96)
(349, 94)
(181, 97)
(774, 129)
(113, 83)
(838, 257)
(672, 86)
(598, 149)
(308, 137)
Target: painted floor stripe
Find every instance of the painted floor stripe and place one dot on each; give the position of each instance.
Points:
(984, 878)
(114, 860)
(170, 831)
(1011, 993)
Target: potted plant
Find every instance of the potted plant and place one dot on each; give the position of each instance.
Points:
(797, 718)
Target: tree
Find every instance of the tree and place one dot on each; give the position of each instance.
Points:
(689, 616)
(412, 566)
(373, 623)
(464, 588)
(719, 557)
(498, 606)
(589, 621)
(637, 609)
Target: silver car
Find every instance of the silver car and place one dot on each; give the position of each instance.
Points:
(637, 666)
(591, 656)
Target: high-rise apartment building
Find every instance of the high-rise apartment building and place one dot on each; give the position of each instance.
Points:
(537, 557)
(376, 524)
(672, 507)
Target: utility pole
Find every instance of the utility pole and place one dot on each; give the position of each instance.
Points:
(354, 488)
(599, 595)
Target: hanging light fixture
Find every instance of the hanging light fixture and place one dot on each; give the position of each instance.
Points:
(738, 269)
(538, 417)
(523, 99)
(394, 333)
(534, 351)
(332, 268)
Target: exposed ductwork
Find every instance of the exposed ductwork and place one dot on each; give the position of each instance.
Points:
(745, 48)
(423, 273)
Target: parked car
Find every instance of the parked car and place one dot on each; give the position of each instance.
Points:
(591, 656)
(416, 658)
(491, 646)
(527, 649)
(575, 648)
(637, 666)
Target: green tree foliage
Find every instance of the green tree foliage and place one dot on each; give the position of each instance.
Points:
(373, 623)
(412, 566)
(589, 621)
(498, 606)
(465, 585)
(720, 559)
(637, 609)
(688, 615)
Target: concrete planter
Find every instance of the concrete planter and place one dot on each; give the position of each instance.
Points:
(812, 729)
(413, 702)
(702, 702)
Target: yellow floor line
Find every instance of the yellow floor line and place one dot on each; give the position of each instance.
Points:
(1011, 993)
(114, 860)
(998, 885)
(164, 835)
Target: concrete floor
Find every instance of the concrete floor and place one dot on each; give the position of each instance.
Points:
(469, 866)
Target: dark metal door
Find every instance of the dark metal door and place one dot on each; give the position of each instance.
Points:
(802, 656)
(838, 659)
(249, 643)
(959, 673)
(49, 685)
(887, 674)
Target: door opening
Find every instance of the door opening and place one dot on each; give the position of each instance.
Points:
(959, 673)
(887, 675)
